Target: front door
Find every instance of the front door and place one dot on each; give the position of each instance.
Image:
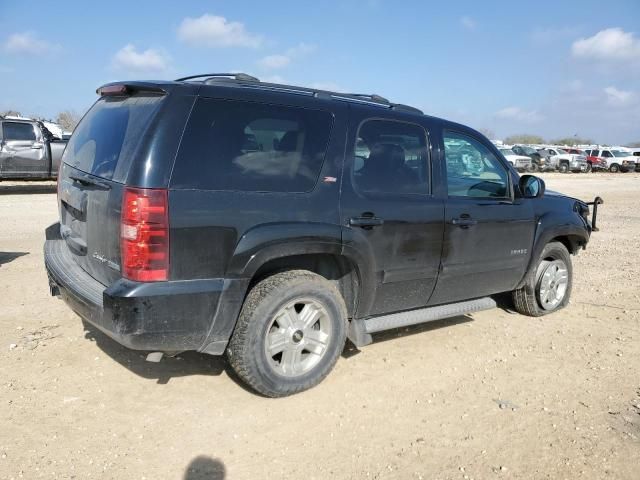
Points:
(23, 154)
(388, 211)
(488, 234)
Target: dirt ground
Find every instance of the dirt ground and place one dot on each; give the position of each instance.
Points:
(492, 395)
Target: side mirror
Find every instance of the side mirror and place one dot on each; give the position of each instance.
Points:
(531, 186)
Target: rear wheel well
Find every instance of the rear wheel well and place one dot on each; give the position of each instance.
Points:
(335, 268)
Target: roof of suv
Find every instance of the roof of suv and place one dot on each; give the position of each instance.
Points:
(242, 80)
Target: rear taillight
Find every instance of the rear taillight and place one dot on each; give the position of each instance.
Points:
(144, 235)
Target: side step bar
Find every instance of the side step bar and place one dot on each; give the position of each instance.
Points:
(429, 314)
(360, 330)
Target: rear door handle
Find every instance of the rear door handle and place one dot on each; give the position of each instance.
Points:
(365, 222)
(464, 222)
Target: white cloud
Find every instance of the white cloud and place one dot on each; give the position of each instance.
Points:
(275, 61)
(608, 44)
(131, 60)
(284, 59)
(468, 23)
(518, 114)
(28, 43)
(618, 97)
(215, 31)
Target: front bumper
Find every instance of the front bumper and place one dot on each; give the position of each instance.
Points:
(167, 316)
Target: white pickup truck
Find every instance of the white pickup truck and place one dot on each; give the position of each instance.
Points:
(615, 160)
(564, 161)
(28, 150)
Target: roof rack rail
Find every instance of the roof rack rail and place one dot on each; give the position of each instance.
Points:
(236, 76)
(373, 97)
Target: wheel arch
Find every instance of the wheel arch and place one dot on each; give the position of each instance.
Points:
(273, 248)
(553, 229)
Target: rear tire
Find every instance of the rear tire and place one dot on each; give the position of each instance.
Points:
(291, 331)
(533, 168)
(547, 287)
(564, 168)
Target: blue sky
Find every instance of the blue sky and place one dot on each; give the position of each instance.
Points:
(546, 67)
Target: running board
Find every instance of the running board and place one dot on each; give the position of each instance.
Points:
(429, 314)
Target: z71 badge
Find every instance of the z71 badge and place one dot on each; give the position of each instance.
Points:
(521, 251)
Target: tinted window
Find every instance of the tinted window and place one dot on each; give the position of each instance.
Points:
(595, 153)
(472, 169)
(109, 133)
(18, 131)
(246, 146)
(606, 154)
(391, 157)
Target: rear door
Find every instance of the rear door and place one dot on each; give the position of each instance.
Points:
(388, 208)
(96, 165)
(488, 234)
(23, 151)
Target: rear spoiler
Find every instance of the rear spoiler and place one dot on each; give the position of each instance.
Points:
(126, 89)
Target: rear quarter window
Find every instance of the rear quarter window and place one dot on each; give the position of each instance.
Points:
(104, 142)
(247, 146)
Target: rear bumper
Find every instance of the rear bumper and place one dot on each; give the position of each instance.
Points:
(161, 316)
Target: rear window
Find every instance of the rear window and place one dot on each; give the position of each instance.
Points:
(104, 142)
(18, 131)
(247, 146)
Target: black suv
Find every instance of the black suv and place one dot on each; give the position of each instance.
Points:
(221, 214)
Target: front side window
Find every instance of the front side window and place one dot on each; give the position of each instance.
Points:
(247, 146)
(607, 154)
(472, 169)
(391, 157)
(18, 131)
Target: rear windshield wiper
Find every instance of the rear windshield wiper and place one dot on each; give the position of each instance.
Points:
(90, 181)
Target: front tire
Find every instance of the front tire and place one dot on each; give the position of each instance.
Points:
(548, 286)
(615, 168)
(291, 331)
(564, 168)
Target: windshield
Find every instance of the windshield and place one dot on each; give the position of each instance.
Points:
(561, 151)
(528, 150)
(109, 132)
(620, 153)
(507, 151)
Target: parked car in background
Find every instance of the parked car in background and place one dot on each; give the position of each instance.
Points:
(613, 160)
(564, 161)
(636, 153)
(28, 149)
(595, 162)
(538, 160)
(522, 163)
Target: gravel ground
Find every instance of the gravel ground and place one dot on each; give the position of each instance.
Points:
(492, 395)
